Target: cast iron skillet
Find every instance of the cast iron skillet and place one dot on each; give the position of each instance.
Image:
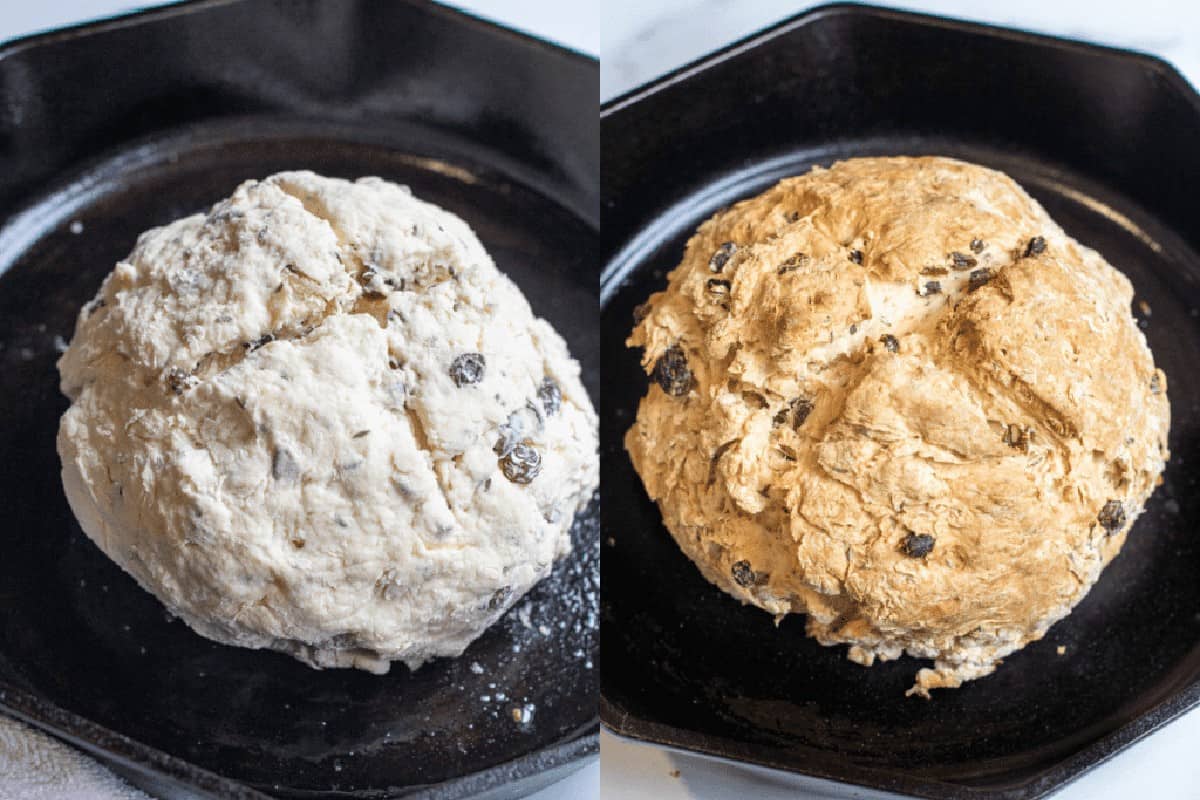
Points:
(1103, 139)
(112, 128)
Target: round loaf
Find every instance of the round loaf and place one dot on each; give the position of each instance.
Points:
(895, 396)
(318, 419)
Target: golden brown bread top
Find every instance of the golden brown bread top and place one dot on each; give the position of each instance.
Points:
(910, 399)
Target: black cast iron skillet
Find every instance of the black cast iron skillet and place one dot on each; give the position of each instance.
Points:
(1106, 140)
(112, 128)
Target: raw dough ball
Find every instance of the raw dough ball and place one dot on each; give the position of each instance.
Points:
(319, 420)
(894, 395)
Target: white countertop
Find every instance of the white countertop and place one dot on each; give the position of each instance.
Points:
(640, 40)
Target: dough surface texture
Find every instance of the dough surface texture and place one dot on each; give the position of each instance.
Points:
(895, 396)
(318, 419)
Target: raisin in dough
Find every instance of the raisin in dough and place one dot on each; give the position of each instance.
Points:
(320, 420)
(894, 395)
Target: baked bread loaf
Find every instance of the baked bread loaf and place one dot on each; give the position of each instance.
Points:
(318, 419)
(895, 396)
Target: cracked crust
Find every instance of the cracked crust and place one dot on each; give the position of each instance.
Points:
(265, 433)
(917, 411)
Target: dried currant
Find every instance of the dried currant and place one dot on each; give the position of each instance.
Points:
(856, 256)
(795, 413)
(933, 287)
(977, 246)
(550, 396)
(1036, 246)
(962, 260)
(917, 545)
(671, 372)
(467, 369)
(499, 597)
(721, 257)
(521, 464)
(1112, 517)
(890, 343)
(266, 338)
(718, 288)
(977, 278)
(743, 575)
(179, 381)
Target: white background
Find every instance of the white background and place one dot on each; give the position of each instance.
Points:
(643, 39)
(636, 40)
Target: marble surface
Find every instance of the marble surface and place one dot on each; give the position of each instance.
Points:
(640, 40)
(34, 766)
